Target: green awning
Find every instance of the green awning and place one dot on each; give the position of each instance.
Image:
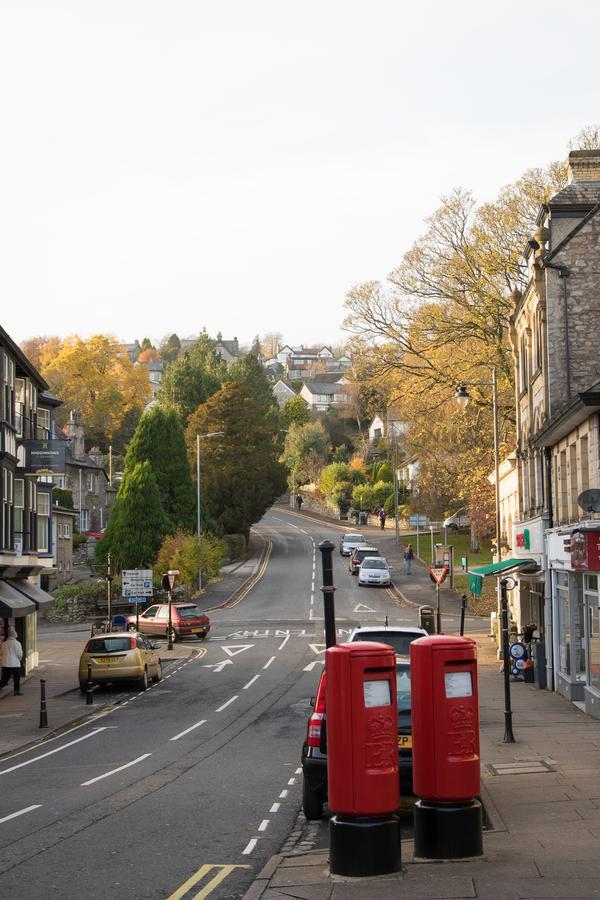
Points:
(477, 574)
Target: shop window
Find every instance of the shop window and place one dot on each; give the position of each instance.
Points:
(6, 521)
(564, 624)
(43, 521)
(592, 602)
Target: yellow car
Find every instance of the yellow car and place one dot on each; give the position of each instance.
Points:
(120, 656)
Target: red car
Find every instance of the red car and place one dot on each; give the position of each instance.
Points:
(186, 619)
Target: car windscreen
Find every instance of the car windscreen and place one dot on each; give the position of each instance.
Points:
(109, 645)
(374, 564)
(403, 687)
(400, 642)
(354, 539)
(189, 612)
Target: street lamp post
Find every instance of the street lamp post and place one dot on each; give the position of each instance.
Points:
(168, 583)
(210, 434)
(463, 397)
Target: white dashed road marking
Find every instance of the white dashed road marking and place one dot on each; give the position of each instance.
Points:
(187, 730)
(225, 705)
(114, 771)
(250, 846)
(263, 825)
(252, 680)
(269, 661)
(52, 752)
(275, 807)
(20, 812)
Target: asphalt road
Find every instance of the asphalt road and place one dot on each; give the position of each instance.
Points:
(187, 789)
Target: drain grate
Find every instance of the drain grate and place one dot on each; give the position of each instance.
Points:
(522, 767)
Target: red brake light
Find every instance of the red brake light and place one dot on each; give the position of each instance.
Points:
(320, 701)
(313, 737)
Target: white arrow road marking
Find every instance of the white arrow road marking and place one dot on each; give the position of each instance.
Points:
(21, 812)
(234, 649)
(311, 665)
(187, 730)
(360, 607)
(217, 667)
(114, 771)
(318, 648)
(56, 750)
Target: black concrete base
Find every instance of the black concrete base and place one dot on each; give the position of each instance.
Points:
(361, 847)
(445, 831)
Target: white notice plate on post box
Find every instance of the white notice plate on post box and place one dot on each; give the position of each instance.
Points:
(377, 693)
(458, 684)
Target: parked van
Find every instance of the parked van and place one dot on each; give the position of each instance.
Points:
(459, 521)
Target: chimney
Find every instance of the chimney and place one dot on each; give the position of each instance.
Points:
(584, 165)
(75, 434)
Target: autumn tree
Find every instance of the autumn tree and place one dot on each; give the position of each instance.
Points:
(159, 440)
(241, 476)
(96, 376)
(192, 378)
(305, 452)
(271, 343)
(137, 524)
(41, 350)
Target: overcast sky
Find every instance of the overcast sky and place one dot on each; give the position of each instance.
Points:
(239, 164)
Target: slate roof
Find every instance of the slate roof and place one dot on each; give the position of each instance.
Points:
(321, 387)
(577, 194)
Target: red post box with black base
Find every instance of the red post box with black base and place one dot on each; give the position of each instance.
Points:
(363, 784)
(445, 734)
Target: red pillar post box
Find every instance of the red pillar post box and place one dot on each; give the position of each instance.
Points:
(362, 758)
(445, 732)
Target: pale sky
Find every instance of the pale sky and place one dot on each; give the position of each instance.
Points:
(240, 164)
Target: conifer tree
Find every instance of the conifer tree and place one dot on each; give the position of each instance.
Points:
(159, 439)
(137, 525)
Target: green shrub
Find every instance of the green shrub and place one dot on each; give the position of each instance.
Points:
(182, 551)
(381, 491)
(78, 539)
(363, 497)
(93, 591)
(389, 505)
(236, 545)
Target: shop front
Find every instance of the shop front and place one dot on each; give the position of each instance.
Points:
(574, 560)
(20, 601)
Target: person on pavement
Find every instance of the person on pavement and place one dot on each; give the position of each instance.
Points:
(299, 502)
(382, 517)
(11, 656)
(408, 558)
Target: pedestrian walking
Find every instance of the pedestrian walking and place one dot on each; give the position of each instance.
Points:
(11, 655)
(382, 517)
(408, 558)
(299, 502)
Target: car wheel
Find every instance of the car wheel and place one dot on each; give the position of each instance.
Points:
(312, 802)
(143, 681)
(131, 627)
(158, 675)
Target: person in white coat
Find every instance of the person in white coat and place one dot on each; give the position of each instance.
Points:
(11, 656)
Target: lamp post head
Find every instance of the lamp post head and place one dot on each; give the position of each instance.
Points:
(462, 396)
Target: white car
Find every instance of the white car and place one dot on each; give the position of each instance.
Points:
(350, 542)
(374, 570)
(459, 520)
(399, 637)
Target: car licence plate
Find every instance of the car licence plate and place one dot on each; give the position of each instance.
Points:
(195, 630)
(102, 659)
(405, 741)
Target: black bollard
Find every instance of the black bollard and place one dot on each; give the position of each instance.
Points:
(327, 548)
(463, 609)
(509, 737)
(43, 710)
(89, 690)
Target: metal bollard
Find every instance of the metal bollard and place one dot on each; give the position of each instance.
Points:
(463, 609)
(43, 710)
(89, 689)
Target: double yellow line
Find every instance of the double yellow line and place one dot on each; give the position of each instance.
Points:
(237, 598)
(221, 875)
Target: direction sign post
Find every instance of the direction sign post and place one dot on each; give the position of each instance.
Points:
(438, 573)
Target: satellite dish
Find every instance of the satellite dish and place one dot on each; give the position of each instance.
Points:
(589, 501)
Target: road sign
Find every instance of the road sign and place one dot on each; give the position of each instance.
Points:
(438, 573)
(136, 583)
(418, 521)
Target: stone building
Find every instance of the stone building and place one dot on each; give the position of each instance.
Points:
(85, 477)
(554, 333)
(63, 522)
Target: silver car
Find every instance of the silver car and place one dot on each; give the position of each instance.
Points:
(374, 570)
(350, 542)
